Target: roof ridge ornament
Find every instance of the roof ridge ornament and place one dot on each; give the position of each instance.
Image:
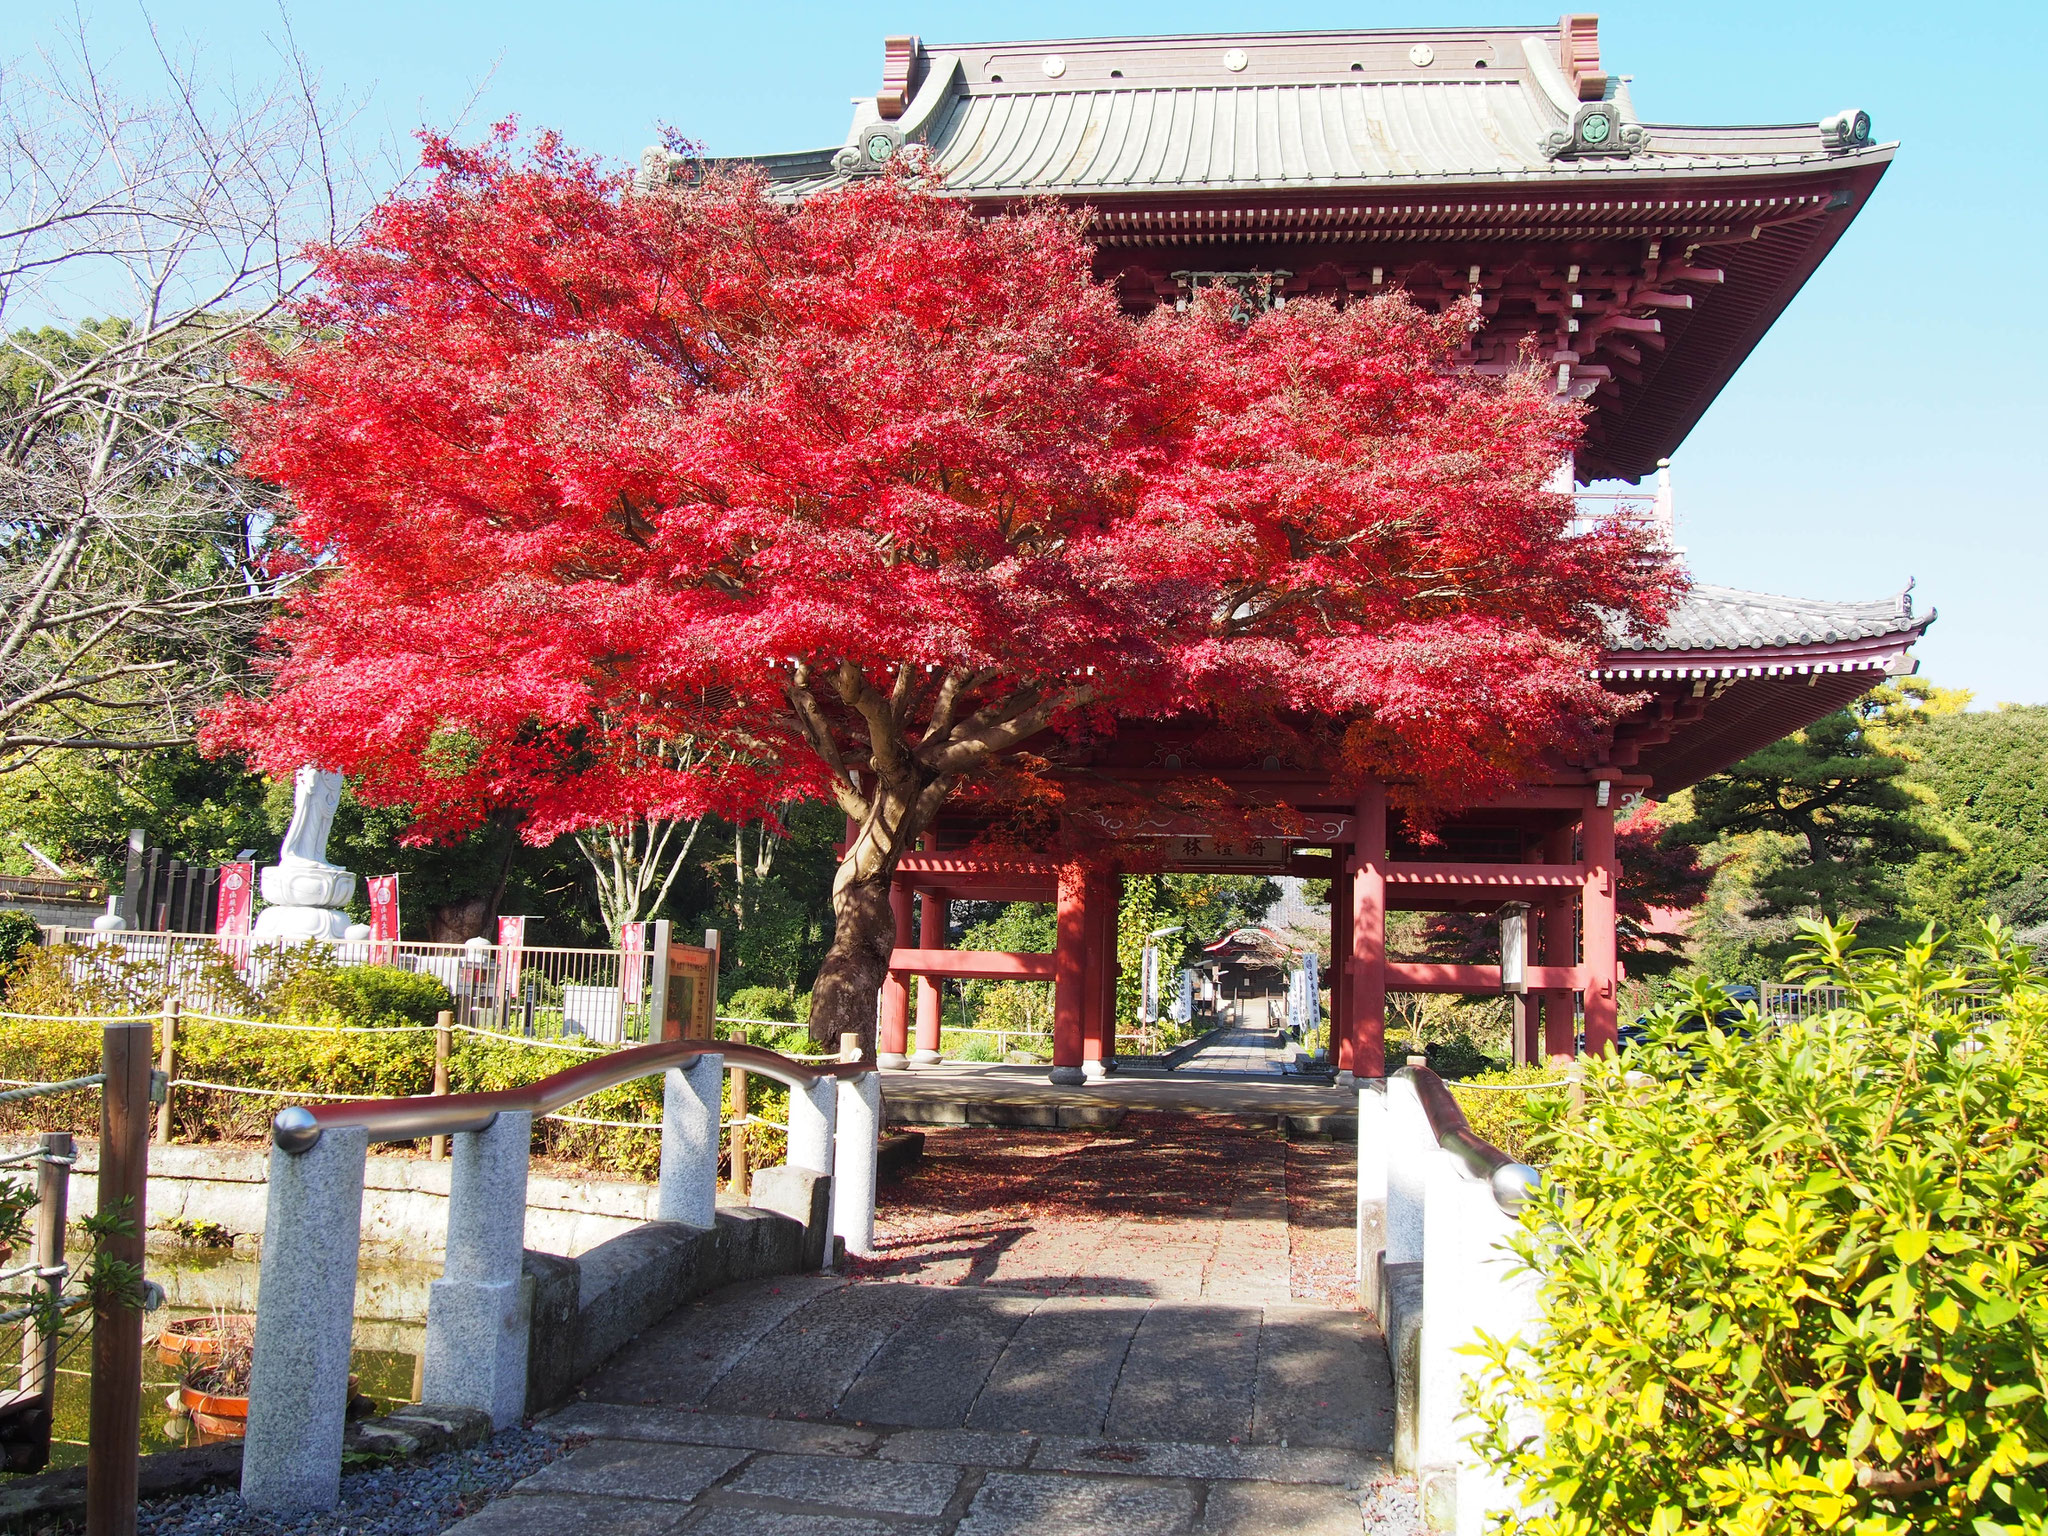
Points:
(1847, 129)
(901, 58)
(1578, 51)
(1598, 130)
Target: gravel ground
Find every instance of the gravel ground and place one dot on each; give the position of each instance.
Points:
(418, 1498)
(1392, 1509)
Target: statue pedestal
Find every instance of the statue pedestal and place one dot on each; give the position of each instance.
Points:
(305, 900)
(295, 924)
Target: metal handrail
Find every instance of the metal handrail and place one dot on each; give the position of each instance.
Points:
(297, 1129)
(1513, 1183)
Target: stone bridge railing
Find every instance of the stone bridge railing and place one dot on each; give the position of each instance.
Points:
(477, 1334)
(1438, 1207)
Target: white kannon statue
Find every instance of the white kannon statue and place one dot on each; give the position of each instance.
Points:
(306, 893)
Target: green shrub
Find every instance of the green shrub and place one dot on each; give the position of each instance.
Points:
(1511, 1120)
(1458, 1057)
(18, 935)
(1799, 1282)
(760, 1003)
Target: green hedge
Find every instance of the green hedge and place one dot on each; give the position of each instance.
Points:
(1800, 1283)
(362, 1042)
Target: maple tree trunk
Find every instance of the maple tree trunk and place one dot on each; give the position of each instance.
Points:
(843, 1000)
(850, 980)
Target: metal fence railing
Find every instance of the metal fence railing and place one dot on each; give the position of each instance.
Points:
(1789, 1000)
(604, 996)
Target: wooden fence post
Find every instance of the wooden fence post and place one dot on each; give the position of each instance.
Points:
(167, 1063)
(115, 1422)
(443, 1022)
(742, 1171)
(39, 1350)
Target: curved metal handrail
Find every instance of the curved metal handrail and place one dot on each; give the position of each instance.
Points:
(1513, 1183)
(298, 1128)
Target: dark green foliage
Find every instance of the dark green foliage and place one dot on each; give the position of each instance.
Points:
(759, 1003)
(1456, 1058)
(1989, 772)
(18, 935)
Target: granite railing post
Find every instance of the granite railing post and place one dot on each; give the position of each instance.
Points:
(305, 1320)
(813, 1118)
(1458, 1206)
(1371, 1237)
(477, 1311)
(1410, 1149)
(813, 1112)
(1503, 1299)
(856, 1165)
(689, 1142)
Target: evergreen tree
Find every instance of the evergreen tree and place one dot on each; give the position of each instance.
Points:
(1851, 819)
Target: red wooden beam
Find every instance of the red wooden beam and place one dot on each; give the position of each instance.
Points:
(1428, 976)
(972, 964)
(960, 868)
(1506, 877)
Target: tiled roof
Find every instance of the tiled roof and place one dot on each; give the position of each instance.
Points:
(1714, 618)
(1278, 111)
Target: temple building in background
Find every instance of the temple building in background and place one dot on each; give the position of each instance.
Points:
(1637, 262)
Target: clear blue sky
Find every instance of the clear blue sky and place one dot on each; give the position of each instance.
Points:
(1889, 427)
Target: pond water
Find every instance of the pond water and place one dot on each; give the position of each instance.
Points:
(390, 1332)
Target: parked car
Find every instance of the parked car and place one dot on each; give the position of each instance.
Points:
(1731, 1020)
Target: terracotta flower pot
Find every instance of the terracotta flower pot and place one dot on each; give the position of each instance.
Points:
(222, 1415)
(215, 1413)
(192, 1339)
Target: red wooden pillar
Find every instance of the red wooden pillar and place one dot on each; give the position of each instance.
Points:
(1112, 894)
(892, 1032)
(1340, 968)
(1602, 969)
(931, 934)
(1098, 1018)
(1559, 946)
(1369, 935)
(1069, 994)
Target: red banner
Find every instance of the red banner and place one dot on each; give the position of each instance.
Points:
(511, 944)
(632, 967)
(236, 909)
(383, 917)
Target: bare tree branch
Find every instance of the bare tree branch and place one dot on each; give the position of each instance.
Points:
(142, 242)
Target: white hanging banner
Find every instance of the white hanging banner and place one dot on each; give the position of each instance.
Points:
(1184, 1003)
(1148, 991)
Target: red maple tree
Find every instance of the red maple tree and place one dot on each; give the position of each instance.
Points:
(866, 492)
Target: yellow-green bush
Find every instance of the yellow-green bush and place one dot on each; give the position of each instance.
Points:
(1799, 1282)
(1511, 1120)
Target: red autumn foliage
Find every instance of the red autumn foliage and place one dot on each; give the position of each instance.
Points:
(868, 492)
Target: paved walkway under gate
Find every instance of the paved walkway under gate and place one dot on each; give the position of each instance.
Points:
(1119, 1331)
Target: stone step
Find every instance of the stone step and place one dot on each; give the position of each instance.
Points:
(976, 1358)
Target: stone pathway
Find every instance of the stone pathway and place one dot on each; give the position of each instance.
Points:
(819, 1406)
(1251, 1050)
(1065, 1333)
(1172, 1207)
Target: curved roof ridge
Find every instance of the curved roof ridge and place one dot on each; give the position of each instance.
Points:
(1711, 617)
